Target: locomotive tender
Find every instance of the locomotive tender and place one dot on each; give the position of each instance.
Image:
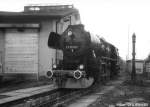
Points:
(86, 58)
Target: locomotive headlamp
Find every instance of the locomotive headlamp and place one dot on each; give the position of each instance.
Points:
(54, 66)
(81, 67)
(69, 33)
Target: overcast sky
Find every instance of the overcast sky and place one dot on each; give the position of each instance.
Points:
(115, 20)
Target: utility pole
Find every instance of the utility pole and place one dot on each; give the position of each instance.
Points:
(128, 41)
(133, 74)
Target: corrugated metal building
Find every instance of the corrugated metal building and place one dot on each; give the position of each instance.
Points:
(24, 36)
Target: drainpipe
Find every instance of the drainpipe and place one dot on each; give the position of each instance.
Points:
(56, 49)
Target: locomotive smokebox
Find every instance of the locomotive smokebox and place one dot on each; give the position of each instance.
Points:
(74, 41)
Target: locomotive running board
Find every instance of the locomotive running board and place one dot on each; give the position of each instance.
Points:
(81, 83)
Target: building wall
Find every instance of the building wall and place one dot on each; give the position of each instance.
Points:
(72, 19)
(138, 65)
(147, 67)
(46, 54)
(75, 19)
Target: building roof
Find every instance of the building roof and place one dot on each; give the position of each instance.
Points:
(37, 13)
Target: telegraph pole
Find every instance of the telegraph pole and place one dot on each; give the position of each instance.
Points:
(133, 74)
(128, 42)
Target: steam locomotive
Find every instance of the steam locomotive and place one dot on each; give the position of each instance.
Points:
(87, 58)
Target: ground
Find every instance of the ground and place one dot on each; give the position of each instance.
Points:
(127, 94)
(15, 84)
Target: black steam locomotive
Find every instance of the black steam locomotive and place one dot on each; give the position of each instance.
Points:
(86, 58)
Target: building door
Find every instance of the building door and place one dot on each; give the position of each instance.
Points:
(21, 51)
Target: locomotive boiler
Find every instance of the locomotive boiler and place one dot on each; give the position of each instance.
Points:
(87, 58)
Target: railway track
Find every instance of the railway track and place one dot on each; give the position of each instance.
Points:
(71, 97)
(66, 96)
(10, 85)
(53, 98)
(63, 98)
(33, 101)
